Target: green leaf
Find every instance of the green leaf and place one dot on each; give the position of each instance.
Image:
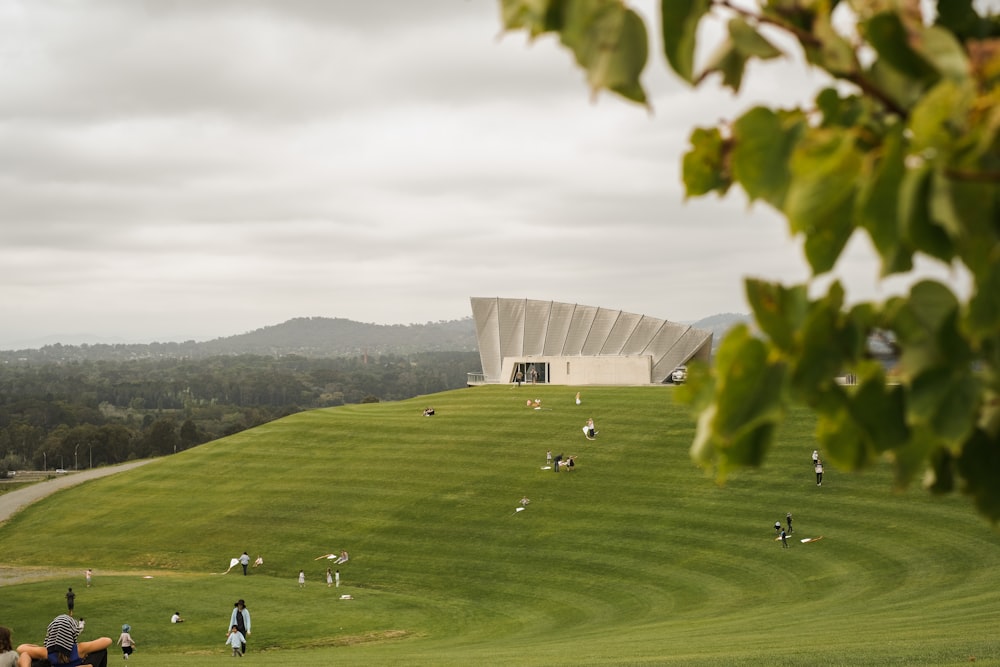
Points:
(888, 36)
(749, 42)
(728, 61)
(779, 311)
(984, 307)
(942, 471)
(978, 463)
(939, 47)
(624, 67)
(535, 16)
(609, 42)
(970, 211)
(938, 120)
(828, 346)
(896, 86)
(917, 228)
(912, 459)
(959, 17)
(763, 141)
(824, 168)
(834, 53)
(731, 56)
(880, 410)
(704, 166)
(680, 19)
(946, 401)
(839, 111)
(842, 441)
(737, 429)
(877, 204)
(926, 325)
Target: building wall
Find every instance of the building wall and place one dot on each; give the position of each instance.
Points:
(580, 370)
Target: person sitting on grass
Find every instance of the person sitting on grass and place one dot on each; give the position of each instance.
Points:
(61, 647)
(8, 656)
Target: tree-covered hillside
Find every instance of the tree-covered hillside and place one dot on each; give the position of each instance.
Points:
(84, 413)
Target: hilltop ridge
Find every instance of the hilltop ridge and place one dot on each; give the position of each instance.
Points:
(316, 337)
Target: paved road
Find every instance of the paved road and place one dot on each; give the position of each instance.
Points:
(14, 501)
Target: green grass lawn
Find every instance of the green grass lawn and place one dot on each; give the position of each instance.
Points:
(635, 558)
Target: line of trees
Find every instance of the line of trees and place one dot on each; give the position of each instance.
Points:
(92, 413)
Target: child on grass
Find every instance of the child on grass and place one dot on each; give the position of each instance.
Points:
(235, 639)
(125, 641)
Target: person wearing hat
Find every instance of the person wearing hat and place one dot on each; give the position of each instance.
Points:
(125, 641)
(241, 619)
(61, 647)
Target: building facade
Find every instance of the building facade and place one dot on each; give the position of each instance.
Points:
(571, 344)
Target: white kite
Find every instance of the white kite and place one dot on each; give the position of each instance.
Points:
(806, 540)
(342, 557)
(233, 562)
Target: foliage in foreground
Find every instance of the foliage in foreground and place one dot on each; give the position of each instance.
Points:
(903, 146)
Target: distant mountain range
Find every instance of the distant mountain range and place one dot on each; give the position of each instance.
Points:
(316, 337)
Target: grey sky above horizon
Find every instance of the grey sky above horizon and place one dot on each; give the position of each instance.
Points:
(174, 170)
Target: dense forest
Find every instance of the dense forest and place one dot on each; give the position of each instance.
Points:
(84, 413)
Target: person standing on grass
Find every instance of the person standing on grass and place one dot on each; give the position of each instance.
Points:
(245, 561)
(329, 577)
(125, 641)
(89, 573)
(819, 473)
(70, 600)
(336, 578)
(236, 639)
(788, 520)
(784, 540)
(240, 619)
(302, 578)
(777, 527)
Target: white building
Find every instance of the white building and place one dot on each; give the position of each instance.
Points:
(570, 344)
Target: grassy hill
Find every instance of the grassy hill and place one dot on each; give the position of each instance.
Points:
(635, 558)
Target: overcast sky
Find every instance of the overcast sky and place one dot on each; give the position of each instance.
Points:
(181, 169)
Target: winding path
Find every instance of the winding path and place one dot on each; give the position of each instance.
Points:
(11, 503)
